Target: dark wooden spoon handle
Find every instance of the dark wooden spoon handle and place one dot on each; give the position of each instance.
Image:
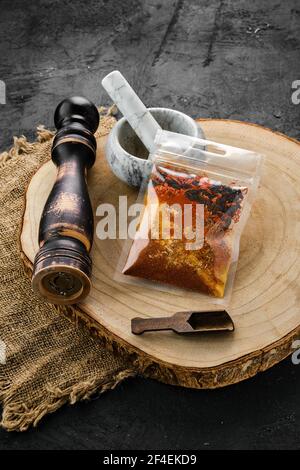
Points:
(140, 325)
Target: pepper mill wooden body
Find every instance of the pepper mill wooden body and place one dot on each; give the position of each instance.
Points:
(62, 266)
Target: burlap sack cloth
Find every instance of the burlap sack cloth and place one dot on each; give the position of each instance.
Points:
(49, 360)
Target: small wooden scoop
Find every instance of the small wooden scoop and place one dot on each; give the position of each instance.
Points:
(185, 323)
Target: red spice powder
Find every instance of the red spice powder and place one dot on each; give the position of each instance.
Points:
(168, 260)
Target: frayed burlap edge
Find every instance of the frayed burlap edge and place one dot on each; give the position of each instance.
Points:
(17, 416)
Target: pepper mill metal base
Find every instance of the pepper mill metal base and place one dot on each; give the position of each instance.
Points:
(62, 270)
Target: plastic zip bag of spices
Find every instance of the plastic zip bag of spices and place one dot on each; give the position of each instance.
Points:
(194, 206)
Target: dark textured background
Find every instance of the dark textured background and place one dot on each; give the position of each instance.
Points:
(208, 58)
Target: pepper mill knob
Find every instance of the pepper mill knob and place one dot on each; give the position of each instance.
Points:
(77, 110)
(62, 266)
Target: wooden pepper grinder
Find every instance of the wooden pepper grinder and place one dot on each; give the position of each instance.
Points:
(62, 266)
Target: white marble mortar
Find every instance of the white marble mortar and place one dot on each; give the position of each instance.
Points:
(126, 154)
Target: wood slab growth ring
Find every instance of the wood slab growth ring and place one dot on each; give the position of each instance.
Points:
(266, 300)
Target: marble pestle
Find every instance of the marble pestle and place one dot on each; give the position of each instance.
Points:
(132, 108)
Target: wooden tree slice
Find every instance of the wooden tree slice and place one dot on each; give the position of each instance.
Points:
(266, 300)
